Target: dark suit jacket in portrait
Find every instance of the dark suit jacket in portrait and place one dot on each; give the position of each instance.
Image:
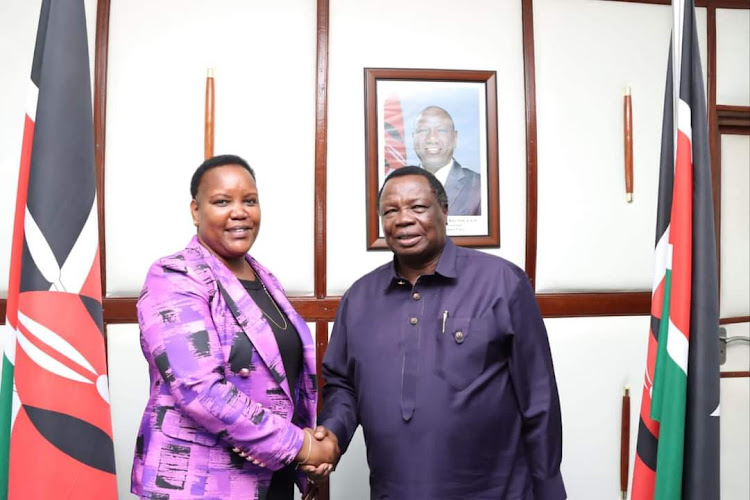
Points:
(464, 191)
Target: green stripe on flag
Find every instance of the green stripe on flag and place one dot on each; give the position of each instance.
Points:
(658, 388)
(6, 412)
(671, 433)
(668, 408)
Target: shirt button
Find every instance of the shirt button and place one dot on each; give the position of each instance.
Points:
(459, 336)
(245, 372)
(414, 321)
(416, 296)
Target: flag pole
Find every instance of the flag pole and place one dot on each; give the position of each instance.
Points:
(208, 134)
(625, 442)
(628, 130)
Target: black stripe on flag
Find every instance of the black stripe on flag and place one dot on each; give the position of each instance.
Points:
(700, 478)
(94, 308)
(41, 33)
(62, 178)
(666, 158)
(75, 437)
(646, 445)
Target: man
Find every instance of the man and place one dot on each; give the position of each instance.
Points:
(435, 138)
(442, 356)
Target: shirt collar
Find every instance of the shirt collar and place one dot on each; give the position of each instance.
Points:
(446, 265)
(442, 173)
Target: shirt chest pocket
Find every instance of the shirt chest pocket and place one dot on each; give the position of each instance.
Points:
(462, 350)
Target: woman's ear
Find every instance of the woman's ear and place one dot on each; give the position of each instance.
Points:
(194, 212)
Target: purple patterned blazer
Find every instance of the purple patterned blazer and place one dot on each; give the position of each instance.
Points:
(201, 402)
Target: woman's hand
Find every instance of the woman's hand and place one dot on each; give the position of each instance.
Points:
(320, 472)
(322, 449)
(317, 457)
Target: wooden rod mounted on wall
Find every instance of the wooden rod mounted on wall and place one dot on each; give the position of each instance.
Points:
(628, 129)
(208, 138)
(625, 443)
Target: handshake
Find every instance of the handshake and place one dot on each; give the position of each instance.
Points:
(319, 454)
(318, 457)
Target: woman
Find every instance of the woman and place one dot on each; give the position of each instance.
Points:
(232, 365)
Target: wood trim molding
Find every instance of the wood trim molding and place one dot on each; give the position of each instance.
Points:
(735, 374)
(714, 140)
(715, 4)
(119, 310)
(321, 148)
(100, 123)
(557, 305)
(321, 182)
(529, 72)
(733, 119)
(735, 319)
(698, 3)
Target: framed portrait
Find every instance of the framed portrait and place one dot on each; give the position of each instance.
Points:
(444, 121)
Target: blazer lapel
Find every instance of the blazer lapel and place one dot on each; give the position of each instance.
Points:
(249, 317)
(309, 383)
(453, 182)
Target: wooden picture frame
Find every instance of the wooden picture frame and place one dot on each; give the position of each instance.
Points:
(400, 129)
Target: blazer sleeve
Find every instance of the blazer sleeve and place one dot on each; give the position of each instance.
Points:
(178, 334)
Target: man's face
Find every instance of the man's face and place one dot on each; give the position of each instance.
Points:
(434, 138)
(413, 221)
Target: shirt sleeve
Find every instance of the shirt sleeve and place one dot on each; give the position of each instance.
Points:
(339, 412)
(179, 337)
(533, 379)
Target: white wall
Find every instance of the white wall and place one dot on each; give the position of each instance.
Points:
(264, 57)
(128, 386)
(735, 431)
(735, 226)
(587, 53)
(733, 57)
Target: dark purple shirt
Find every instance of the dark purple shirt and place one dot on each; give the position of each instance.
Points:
(454, 408)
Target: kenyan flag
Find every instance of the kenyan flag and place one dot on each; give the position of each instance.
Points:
(678, 437)
(55, 425)
(393, 138)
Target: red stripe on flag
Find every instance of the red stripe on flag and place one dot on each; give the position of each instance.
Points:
(92, 287)
(40, 470)
(66, 315)
(16, 253)
(681, 237)
(394, 143)
(644, 486)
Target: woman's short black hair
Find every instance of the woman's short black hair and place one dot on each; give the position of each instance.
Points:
(216, 161)
(435, 185)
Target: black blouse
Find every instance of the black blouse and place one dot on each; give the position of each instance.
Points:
(290, 347)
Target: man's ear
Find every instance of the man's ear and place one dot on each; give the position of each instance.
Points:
(194, 212)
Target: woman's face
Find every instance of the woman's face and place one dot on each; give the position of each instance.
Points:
(226, 212)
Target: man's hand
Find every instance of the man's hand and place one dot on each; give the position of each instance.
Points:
(324, 440)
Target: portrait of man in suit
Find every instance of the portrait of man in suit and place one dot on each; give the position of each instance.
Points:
(435, 138)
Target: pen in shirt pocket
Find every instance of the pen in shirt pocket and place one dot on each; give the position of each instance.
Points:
(445, 317)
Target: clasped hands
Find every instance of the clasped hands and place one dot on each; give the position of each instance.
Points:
(324, 453)
(318, 456)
